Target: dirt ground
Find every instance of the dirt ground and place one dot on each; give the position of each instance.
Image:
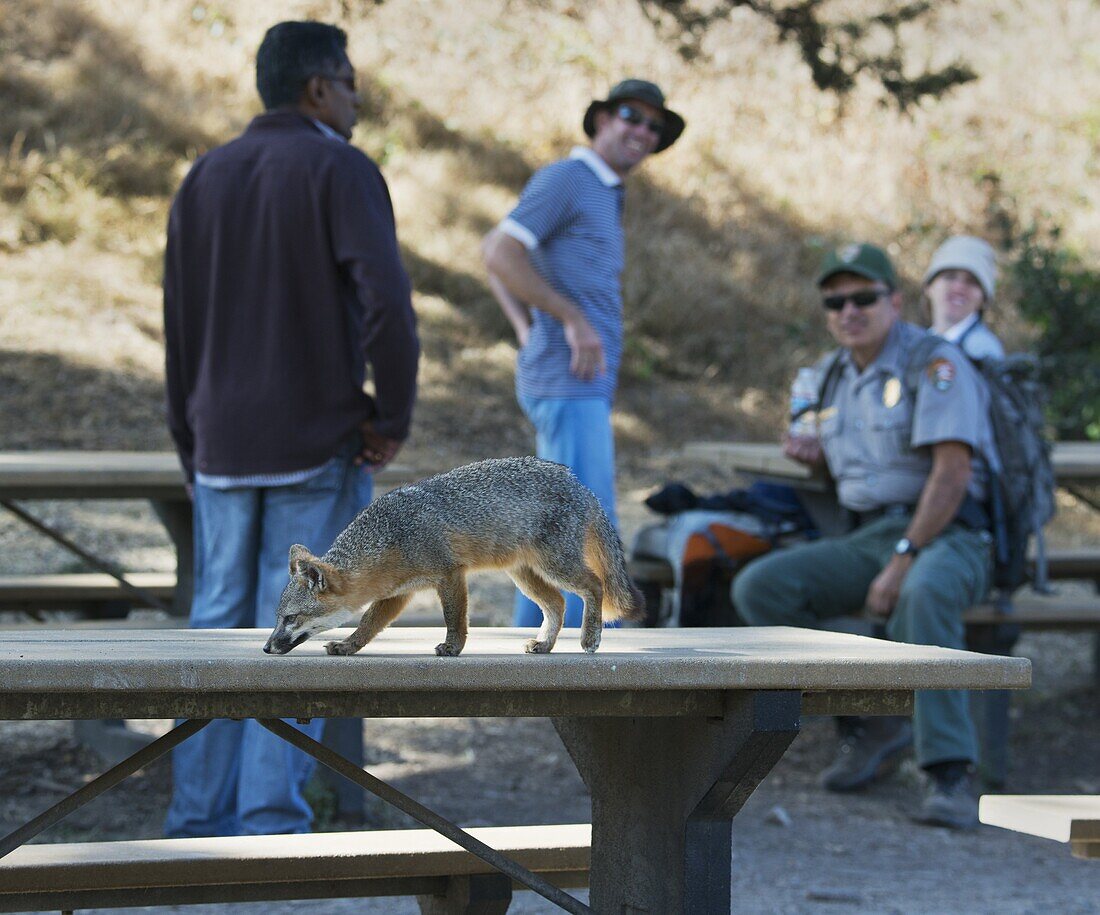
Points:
(797, 848)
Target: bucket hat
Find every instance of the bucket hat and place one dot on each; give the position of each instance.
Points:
(965, 252)
(638, 90)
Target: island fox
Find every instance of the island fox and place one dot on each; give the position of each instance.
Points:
(529, 517)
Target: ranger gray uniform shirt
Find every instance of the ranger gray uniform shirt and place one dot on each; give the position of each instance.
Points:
(877, 436)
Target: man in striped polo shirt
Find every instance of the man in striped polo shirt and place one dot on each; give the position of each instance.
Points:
(554, 266)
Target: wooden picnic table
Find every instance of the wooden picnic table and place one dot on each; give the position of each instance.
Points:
(671, 730)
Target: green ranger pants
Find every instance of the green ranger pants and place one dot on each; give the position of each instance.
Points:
(810, 582)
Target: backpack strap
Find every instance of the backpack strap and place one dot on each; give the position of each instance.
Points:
(918, 361)
(967, 333)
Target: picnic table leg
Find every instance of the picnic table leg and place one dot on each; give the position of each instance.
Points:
(990, 708)
(471, 894)
(664, 792)
(176, 518)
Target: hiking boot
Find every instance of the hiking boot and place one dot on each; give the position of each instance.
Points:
(950, 802)
(870, 749)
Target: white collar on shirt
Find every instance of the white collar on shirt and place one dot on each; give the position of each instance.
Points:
(592, 159)
(955, 331)
(328, 131)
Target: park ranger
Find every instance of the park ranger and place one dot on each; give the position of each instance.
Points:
(903, 428)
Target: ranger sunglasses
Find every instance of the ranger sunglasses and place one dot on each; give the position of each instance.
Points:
(865, 298)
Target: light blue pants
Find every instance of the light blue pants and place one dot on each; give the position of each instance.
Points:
(577, 433)
(235, 777)
(830, 577)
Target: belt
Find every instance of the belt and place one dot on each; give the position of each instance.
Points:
(971, 514)
(896, 510)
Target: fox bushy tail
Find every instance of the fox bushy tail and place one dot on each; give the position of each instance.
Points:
(605, 552)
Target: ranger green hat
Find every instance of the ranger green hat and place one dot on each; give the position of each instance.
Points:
(862, 260)
(642, 91)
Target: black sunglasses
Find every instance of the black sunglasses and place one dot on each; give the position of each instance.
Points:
(634, 116)
(864, 299)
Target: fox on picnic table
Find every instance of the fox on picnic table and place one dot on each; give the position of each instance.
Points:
(532, 518)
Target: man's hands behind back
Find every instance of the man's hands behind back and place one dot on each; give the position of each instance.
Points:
(377, 450)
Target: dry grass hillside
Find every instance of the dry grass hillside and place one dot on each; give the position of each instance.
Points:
(105, 103)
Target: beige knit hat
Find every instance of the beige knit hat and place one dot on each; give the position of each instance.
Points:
(965, 252)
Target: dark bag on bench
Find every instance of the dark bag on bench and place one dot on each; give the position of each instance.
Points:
(708, 539)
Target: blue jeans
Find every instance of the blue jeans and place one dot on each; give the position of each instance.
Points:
(235, 777)
(577, 433)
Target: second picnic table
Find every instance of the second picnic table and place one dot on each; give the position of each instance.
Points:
(153, 476)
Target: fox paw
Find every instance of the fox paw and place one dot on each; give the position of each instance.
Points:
(590, 645)
(534, 646)
(340, 648)
(444, 650)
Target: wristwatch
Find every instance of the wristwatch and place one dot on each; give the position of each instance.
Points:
(905, 547)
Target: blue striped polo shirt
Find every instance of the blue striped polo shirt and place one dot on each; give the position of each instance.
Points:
(570, 219)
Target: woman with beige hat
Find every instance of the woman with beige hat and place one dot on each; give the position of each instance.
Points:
(959, 283)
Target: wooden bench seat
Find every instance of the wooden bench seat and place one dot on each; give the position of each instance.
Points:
(1036, 611)
(1029, 610)
(1077, 563)
(1069, 564)
(415, 862)
(1072, 818)
(75, 590)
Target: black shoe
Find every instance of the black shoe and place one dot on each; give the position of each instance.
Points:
(949, 802)
(870, 750)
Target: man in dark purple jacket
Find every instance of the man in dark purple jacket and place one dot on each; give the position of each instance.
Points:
(284, 300)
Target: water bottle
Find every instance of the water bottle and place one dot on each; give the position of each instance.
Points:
(804, 394)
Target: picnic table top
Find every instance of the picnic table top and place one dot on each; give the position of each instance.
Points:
(157, 474)
(112, 474)
(403, 659)
(1074, 462)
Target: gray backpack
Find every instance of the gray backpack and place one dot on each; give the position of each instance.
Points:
(1021, 492)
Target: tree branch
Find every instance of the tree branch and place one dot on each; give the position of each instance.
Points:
(833, 51)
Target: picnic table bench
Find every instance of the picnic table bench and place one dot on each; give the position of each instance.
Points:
(397, 862)
(1070, 564)
(97, 594)
(671, 730)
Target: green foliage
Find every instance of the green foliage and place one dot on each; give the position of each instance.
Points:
(1061, 297)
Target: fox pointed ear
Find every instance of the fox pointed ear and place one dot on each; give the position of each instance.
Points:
(298, 555)
(313, 573)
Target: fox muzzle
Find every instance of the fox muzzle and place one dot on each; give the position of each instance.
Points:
(280, 643)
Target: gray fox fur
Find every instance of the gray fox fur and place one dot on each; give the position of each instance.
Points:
(532, 518)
